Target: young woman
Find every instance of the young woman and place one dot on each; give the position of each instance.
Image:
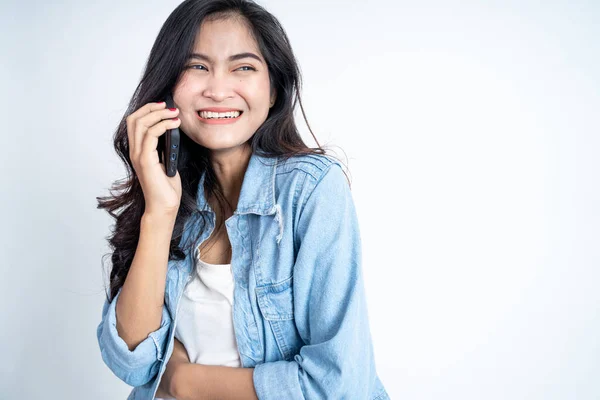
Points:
(240, 277)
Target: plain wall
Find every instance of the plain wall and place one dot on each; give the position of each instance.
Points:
(472, 136)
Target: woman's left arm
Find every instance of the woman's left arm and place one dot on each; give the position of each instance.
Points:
(330, 309)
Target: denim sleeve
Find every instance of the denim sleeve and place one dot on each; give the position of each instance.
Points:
(136, 367)
(330, 309)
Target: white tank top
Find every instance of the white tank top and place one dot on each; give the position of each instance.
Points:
(204, 316)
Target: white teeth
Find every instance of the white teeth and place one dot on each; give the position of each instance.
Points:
(210, 114)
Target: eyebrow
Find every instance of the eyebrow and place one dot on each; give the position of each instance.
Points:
(234, 57)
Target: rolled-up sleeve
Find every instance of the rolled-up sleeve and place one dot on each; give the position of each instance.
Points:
(135, 367)
(330, 309)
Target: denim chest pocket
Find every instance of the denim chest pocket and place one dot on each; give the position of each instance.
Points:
(276, 304)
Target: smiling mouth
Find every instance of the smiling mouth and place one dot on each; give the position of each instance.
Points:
(232, 116)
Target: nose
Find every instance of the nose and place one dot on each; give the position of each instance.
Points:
(218, 88)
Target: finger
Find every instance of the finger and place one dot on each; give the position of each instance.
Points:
(132, 119)
(150, 141)
(134, 134)
(147, 109)
(151, 120)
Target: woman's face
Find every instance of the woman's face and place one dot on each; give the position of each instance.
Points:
(214, 80)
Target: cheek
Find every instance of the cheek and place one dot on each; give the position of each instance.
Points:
(260, 100)
(182, 87)
(258, 91)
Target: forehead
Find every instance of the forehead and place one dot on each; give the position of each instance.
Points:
(226, 36)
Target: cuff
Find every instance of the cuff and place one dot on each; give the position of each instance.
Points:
(133, 367)
(277, 380)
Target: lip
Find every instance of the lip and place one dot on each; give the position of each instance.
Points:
(219, 109)
(223, 121)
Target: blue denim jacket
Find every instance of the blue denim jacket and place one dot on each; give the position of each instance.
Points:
(299, 312)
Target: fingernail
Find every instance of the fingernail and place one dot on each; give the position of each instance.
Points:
(172, 109)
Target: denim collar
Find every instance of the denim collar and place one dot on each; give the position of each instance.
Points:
(258, 188)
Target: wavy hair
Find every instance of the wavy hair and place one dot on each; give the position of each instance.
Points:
(278, 136)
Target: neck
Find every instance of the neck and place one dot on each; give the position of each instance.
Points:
(230, 167)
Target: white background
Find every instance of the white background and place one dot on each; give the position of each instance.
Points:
(472, 136)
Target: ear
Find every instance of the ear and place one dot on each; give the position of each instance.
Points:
(273, 98)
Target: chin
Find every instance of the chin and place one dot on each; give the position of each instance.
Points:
(216, 139)
(217, 145)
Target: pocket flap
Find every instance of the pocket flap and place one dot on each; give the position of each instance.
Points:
(276, 301)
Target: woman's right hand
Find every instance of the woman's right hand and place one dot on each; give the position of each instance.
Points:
(144, 126)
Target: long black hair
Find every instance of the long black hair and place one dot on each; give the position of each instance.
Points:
(278, 136)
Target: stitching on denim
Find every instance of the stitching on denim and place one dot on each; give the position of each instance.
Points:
(313, 188)
(158, 352)
(279, 219)
(382, 395)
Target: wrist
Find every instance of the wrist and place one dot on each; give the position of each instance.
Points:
(158, 224)
(160, 218)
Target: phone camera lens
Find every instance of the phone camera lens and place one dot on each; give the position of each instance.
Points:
(174, 146)
(173, 156)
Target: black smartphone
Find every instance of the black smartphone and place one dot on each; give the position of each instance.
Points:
(171, 149)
